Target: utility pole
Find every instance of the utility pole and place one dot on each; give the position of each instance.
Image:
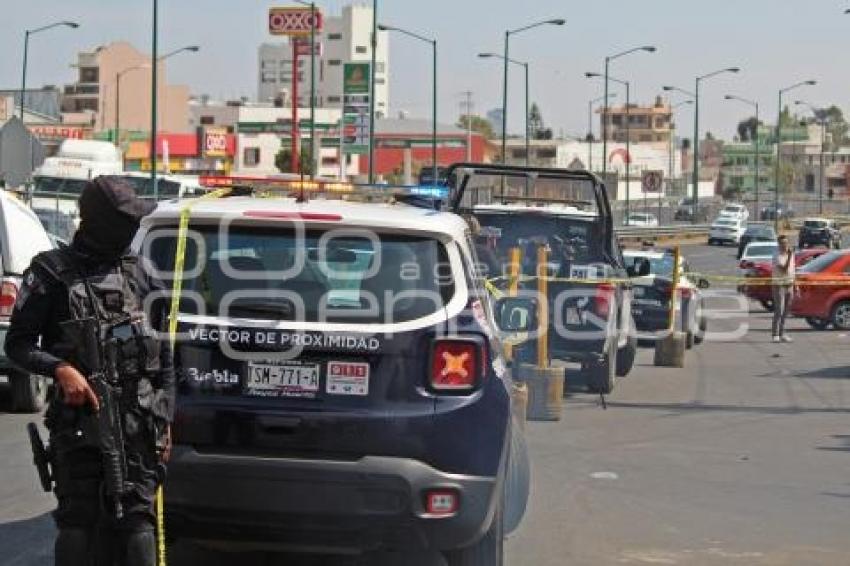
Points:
(466, 110)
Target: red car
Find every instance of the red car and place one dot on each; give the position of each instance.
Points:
(823, 298)
(764, 293)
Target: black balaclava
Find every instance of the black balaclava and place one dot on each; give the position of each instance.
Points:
(110, 212)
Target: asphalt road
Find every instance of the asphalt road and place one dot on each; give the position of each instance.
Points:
(741, 458)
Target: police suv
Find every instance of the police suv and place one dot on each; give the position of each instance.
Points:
(342, 386)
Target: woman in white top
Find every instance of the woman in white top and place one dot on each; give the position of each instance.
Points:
(784, 271)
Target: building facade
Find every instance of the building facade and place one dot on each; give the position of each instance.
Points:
(640, 124)
(344, 39)
(96, 91)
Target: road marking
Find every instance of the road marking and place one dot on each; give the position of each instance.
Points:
(604, 476)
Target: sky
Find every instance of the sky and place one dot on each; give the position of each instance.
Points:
(776, 43)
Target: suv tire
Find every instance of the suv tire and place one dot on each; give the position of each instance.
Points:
(626, 355)
(517, 481)
(29, 391)
(488, 551)
(600, 374)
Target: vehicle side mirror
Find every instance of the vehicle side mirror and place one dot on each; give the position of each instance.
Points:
(516, 314)
(703, 283)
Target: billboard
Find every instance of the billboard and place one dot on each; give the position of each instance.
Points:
(355, 99)
(294, 21)
(214, 142)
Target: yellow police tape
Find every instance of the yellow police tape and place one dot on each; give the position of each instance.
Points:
(176, 290)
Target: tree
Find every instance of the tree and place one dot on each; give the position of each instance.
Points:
(537, 130)
(283, 160)
(748, 129)
(476, 124)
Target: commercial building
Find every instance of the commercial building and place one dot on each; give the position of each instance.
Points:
(641, 124)
(344, 39)
(96, 91)
(210, 151)
(43, 117)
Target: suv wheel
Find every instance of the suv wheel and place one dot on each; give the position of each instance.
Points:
(600, 374)
(29, 391)
(626, 355)
(841, 315)
(488, 551)
(517, 481)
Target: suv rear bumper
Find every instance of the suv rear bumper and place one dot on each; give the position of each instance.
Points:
(374, 502)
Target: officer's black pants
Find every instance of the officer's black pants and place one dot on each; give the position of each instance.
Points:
(89, 533)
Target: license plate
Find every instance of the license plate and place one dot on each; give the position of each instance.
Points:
(347, 378)
(282, 380)
(585, 272)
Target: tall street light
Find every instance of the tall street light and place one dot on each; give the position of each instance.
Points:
(757, 179)
(154, 95)
(27, 34)
(776, 172)
(671, 148)
(506, 58)
(695, 143)
(527, 101)
(374, 47)
(118, 76)
(314, 163)
(590, 105)
(820, 118)
(433, 43)
(644, 48)
(628, 159)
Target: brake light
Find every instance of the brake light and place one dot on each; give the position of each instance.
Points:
(603, 299)
(746, 264)
(8, 297)
(276, 215)
(456, 365)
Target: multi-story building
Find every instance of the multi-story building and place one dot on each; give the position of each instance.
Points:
(641, 124)
(96, 91)
(345, 39)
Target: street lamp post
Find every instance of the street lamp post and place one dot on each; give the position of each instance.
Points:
(374, 46)
(314, 163)
(506, 58)
(118, 76)
(628, 158)
(433, 43)
(608, 59)
(527, 100)
(695, 143)
(27, 34)
(671, 166)
(757, 180)
(590, 128)
(776, 172)
(820, 118)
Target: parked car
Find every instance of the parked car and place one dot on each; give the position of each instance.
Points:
(568, 213)
(756, 233)
(685, 211)
(342, 385)
(22, 236)
(763, 270)
(653, 290)
(726, 230)
(823, 296)
(734, 210)
(641, 220)
(757, 252)
(819, 232)
(776, 212)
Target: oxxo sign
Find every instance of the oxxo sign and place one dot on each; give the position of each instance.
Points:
(293, 21)
(215, 142)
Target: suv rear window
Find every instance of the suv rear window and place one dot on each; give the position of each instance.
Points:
(814, 224)
(271, 274)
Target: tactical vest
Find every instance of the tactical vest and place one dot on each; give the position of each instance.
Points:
(111, 299)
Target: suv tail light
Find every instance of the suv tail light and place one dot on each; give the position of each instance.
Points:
(604, 298)
(8, 297)
(456, 365)
(746, 264)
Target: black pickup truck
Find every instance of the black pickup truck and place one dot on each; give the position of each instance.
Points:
(568, 213)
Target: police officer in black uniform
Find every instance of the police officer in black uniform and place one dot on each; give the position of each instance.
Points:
(95, 279)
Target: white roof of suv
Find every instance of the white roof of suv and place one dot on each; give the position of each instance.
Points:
(390, 217)
(549, 209)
